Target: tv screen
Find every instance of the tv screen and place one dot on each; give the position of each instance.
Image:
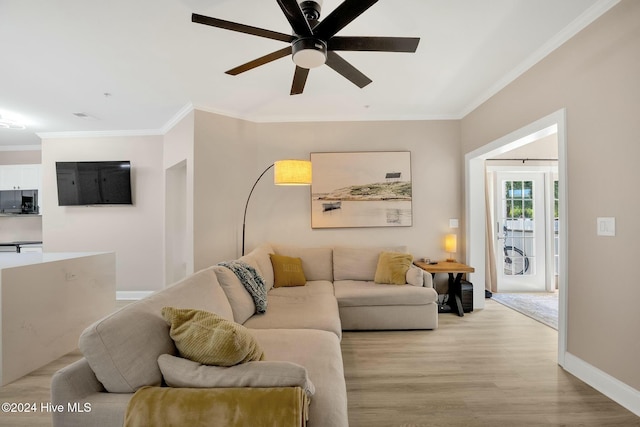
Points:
(94, 183)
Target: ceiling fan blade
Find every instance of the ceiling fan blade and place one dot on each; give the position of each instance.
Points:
(241, 28)
(341, 17)
(379, 44)
(296, 18)
(347, 70)
(260, 61)
(299, 80)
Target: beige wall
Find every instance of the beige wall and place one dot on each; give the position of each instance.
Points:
(230, 154)
(595, 77)
(134, 233)
(179, 208)
(30, 157)
(224, 167)
(178, 142)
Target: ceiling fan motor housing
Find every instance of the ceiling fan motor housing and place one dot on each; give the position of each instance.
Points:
(311, 9)
(309, 52)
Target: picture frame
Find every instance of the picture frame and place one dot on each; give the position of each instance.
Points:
(361, 189)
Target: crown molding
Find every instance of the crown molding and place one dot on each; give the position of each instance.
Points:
(181, 114)
(100, 133)
(353, 118)
(577, 25)
(257, 118)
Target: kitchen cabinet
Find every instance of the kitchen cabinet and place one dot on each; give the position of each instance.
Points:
(10, 176)
(20, 177)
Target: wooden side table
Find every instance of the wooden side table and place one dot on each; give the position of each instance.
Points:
(455, 286)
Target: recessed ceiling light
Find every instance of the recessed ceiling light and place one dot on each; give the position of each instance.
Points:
(86, 116)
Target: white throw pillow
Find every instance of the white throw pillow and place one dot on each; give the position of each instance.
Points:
(415, 276)
(179, 372)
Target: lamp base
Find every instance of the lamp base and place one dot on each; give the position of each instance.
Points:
(450, 260)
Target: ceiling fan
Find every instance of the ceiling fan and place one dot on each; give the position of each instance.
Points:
(313, 42)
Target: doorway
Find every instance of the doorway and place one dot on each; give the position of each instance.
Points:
(176, 252)
(519, 242)
(476, 209)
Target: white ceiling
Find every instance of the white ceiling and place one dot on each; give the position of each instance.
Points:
(61, 57)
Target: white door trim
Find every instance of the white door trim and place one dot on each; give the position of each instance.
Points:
(475, 214)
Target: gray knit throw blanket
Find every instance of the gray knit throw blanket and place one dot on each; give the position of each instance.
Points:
(252, 282)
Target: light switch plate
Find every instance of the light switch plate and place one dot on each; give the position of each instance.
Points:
(606, 226)
(453, 223)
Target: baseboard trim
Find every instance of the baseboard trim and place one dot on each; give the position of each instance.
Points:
(611, 387)
(132, 295)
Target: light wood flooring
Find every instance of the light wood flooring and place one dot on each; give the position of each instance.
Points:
(492, 367)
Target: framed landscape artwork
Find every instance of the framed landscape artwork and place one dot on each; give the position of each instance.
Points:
(361, 189)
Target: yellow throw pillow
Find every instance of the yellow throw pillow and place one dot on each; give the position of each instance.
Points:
(209, 339)
(287, 271)
(392, 268)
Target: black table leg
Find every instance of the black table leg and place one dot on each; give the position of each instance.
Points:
(455, 293)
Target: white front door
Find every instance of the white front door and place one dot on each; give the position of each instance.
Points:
(520, 239)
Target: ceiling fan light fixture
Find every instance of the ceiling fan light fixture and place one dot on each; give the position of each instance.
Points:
(309, 52)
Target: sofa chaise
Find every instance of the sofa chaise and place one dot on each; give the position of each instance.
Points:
(302, 325)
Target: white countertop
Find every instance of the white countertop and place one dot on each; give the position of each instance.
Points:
(12, 259)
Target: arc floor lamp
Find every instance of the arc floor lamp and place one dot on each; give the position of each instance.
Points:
(285, 172)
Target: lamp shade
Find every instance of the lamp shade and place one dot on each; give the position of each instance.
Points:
(292, 172)
(451, 243)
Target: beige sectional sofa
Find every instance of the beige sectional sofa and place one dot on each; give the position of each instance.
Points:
(302, 324)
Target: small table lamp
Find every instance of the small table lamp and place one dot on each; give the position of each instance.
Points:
(451, 246)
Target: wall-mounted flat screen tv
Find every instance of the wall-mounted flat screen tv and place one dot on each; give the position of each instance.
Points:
(94, 183)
